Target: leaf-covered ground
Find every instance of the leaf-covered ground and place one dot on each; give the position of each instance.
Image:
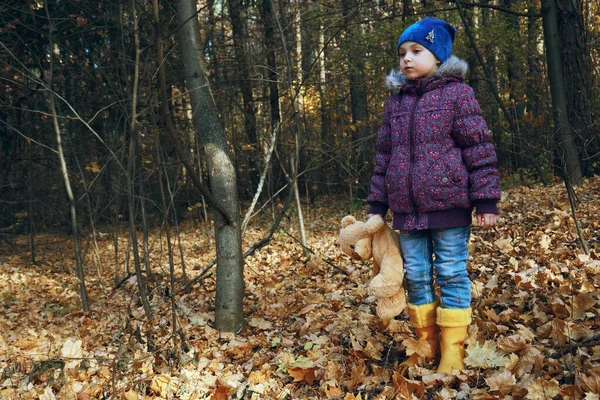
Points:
(311, 330)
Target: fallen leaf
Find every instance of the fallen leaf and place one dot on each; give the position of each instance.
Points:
(421, 347)
(260, 323)
(581, 303)
(502, 381)
(303, 374)
(484, 356)
(371, 352)
(72, 350)
(543, 389)
(512, 344)
(160, 385)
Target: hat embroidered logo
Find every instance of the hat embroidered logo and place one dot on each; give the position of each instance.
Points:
(430, 36)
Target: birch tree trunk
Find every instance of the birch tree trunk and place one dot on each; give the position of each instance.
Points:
(299, 127)
(323, 175)
(229, 314)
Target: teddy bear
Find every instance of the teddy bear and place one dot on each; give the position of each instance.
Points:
(374, 238)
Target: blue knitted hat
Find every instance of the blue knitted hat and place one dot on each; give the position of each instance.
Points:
(434, 34)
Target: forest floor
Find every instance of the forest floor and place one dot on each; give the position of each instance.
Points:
(311, 331)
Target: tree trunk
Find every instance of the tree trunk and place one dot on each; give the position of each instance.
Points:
(577, 69)
(295, 157)
(132, 168)
(533, 87)
(267, 17)
(73, 209)
(30, 209)
(240, 45)
(229, 314)
(322, 174)
(64, 170)
(515, 86)
(565, 145)
(358, 99)
(406, 9)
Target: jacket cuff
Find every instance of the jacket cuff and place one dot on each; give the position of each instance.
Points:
(488, 206)
(378, 208)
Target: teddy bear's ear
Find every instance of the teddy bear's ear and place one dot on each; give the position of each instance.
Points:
(348, 220)
(375, 223)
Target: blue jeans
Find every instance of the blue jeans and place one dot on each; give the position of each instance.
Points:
(449, 245)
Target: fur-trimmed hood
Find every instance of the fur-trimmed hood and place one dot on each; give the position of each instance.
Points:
(453, 66)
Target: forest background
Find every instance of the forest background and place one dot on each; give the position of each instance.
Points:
(105, 164)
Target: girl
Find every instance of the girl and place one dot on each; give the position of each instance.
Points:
(434, 164)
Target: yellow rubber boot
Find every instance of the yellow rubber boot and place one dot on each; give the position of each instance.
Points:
(423, 318)
(453, 325)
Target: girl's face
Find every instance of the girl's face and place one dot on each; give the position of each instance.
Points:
(416, 61)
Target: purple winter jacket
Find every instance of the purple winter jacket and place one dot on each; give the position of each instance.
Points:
(435, 161)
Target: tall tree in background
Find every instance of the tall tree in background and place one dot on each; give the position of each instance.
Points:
(576, 66)
(240, 45)
(565, 144)
(49, 72)
(266, 10)
(229, 315)
(358, 91)
(514, 78)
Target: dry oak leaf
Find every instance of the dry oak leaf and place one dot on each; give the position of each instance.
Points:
(484, 356)
(502, 381)
(542, 389)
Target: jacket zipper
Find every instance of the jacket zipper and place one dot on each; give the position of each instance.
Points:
(411, 135)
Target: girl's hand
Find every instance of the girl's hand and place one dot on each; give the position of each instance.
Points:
(487, 220)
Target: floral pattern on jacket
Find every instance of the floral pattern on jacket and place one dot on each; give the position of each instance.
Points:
(433, 151)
